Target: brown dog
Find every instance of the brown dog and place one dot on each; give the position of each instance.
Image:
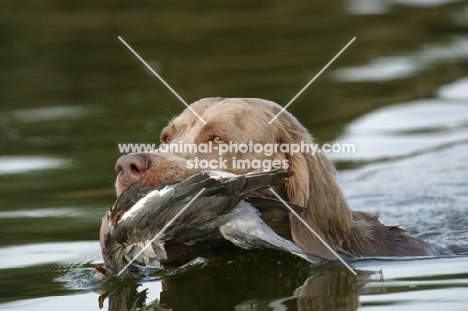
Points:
(313, 186)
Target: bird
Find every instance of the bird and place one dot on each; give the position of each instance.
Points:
(212, 206)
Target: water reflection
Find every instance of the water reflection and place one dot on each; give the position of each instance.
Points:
(235, 288)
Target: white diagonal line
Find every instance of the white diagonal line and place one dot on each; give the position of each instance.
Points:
(313, 79)
(162, 80)
(161, 231)
(313, 231)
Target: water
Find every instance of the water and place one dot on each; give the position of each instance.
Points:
(70, 92)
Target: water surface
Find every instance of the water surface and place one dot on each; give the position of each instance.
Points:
(70, 92)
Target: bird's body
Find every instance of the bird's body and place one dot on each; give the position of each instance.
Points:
(164, 217)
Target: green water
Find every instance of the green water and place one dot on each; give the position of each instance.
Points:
(71, 91)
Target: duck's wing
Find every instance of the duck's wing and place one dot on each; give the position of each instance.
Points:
(264, 204)
(243, 185)
(247, 230)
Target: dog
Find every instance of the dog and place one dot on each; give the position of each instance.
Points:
(236, 121)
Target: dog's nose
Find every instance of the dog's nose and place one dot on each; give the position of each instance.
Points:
(131, 167)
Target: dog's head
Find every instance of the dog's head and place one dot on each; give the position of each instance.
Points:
(236, 122)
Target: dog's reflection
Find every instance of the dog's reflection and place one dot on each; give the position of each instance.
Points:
(265, 287)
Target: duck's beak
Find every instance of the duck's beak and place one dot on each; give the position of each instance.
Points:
(100, 268)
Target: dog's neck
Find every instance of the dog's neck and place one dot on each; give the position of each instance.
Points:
(326, 210)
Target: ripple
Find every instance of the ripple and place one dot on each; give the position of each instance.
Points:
(48, 113)
(82, 301)
(404, 66)
(405, 129)
(22, 164)
(385, 6)
(42, 213)
(81, 278)
(380, 69)
(44, 253)
(424, 3)
(455, 90)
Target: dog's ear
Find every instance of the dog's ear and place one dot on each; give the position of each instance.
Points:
(314, 187)
(297, 188)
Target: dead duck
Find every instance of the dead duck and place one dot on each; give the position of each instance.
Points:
(200, 211)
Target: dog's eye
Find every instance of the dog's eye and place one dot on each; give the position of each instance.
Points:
(217, 140)
(167, 139)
